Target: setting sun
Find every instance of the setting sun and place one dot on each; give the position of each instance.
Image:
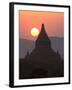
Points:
(34, 32)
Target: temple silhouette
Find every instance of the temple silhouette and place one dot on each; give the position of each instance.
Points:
(43, 61)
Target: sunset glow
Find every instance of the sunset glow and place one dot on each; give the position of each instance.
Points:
(34, 32)
(53, 22)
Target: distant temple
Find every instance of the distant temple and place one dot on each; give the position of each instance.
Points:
(42, 61)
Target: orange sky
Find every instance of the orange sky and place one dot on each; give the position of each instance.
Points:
(53, 21)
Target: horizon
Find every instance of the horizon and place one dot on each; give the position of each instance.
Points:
(36, 38)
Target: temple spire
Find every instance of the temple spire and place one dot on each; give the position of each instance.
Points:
(43, 39)
(43, 28)
(27, 55)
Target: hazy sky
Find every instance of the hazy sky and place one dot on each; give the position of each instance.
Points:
(53, 21)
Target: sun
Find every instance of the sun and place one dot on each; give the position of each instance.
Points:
(34, 32)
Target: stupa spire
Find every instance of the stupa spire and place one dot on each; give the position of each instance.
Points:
(43, 28)
(43, 39)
